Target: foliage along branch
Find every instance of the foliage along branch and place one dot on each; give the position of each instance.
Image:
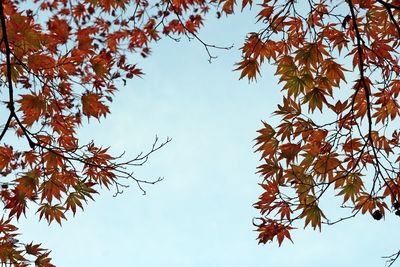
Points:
(66, 67)
(306, 159)
(69, 65)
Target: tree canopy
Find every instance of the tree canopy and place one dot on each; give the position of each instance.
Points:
(62, 62)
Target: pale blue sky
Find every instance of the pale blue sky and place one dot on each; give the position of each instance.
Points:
(201, 214)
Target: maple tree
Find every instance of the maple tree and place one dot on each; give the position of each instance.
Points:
(352, 151)
(63, 60)
(61, 63)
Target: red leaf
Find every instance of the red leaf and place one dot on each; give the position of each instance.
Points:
(92, 106)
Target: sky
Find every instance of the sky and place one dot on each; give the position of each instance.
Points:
(201, 213)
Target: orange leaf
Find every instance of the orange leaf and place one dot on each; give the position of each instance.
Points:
(249, 68)
(33, 106)
(289, 151)
(92, 106)
(39, 62)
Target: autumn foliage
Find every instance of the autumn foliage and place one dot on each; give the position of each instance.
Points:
(340, 60)
(62, 62)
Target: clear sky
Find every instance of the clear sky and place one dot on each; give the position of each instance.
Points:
(201, 213)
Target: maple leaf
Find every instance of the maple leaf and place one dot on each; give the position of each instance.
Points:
(365, 202)
(40, 62)
(28, 183)
(33, 249)
(326, 164)
(30, 157)
(285, 211)
(334, 72)
(298, 84)
(59, 29)
(290, 151)
(16, 203)
(52, 188)
(6, 155)
(315, 99)
(92, 105)
(73, 200)
(270, 229)
(85, 189)
(51, 213)
(312, 213)
(249, 68)
(266, 12)
(6, 226)
(352, 145)
(352, 188)
(33, 106)
(9, 253)
(100, 64)
(228, 6)
(270, 168)
(43, 260)
(310, 54)
(53, 159)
